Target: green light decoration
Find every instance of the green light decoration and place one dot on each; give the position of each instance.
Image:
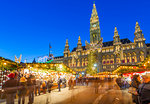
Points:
(49, 61)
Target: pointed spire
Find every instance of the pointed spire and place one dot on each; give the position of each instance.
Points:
(138, 33)
(66, 42)
(137, 27)
(116, 32)
(34, 61)
(79, 44)
(116, 37)
(94, 4)
(79, 40)
(66, 50)
(94, 11)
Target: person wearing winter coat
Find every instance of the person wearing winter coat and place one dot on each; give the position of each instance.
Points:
(49, 85)
(10, 87)
(144, 90)
(22, 91)
(59, 82)
(30, 86)
(135, 84)
(64, 82)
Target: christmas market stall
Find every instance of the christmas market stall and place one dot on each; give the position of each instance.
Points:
(129, 70)
(6, 66)
(46, 70)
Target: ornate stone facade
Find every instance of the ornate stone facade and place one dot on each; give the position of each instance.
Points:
(110, 54)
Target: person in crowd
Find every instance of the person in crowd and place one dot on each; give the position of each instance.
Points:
(120, 82)
(70, 83)
(135, 84)
(59, 82)
(10, 87)
(96, 85)
(87, 81)
(22, 91)
(44, 87)
(38, 85)
(31, 89)
(64, 82)
(49, 85)
(144, 90)
(34, 84)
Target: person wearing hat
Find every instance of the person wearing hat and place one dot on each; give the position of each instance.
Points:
(10, 88)
(22, 91)
(144, 90)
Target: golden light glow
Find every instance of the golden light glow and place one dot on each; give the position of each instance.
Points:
(5, 63)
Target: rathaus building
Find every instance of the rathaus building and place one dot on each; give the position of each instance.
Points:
(110, 54)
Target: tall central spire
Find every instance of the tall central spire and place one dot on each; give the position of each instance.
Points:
(94, 15)
(95, 34)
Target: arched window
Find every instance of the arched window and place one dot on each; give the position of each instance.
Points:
(118, 58)
(104, 60)
(112, 59)
(83, 61)
(107, 59)
(124, 58)
(134, 58)
(129, 58)
(141, 56)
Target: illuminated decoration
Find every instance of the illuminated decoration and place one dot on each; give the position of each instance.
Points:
(49, 61)
(49, 67)
(94, 46)
(143, 66)
(6, 66)
(18, 59)
(42, 59)
(46, 59)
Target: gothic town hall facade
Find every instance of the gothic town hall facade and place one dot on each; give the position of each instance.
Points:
(111, 54)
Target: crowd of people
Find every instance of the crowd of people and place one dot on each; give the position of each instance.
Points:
(139, 88)
(30, 85)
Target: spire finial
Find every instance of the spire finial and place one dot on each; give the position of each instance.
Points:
(79, 38)
(66, 42)
(115, 29)
(137, 27)
(116, 32)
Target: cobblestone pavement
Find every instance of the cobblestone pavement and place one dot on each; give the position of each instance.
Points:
(108, 93)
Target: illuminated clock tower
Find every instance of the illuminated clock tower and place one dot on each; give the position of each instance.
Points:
(95, 33)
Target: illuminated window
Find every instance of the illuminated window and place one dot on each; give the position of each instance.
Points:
(141, 56)
(111, 50)
(103, 51)
(107, 50)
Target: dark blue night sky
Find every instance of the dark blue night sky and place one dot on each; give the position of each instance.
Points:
(28, 26)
